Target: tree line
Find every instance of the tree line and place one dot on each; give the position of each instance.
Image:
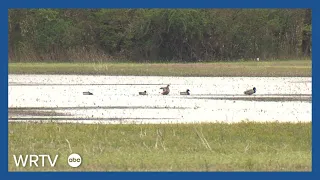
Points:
(158, 35)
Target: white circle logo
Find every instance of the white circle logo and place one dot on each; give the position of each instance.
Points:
(74, 160)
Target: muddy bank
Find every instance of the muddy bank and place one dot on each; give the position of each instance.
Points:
(34, 112)
(262, 99)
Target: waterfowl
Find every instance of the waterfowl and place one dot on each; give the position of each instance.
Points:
(187, 92)
(143, 93)
(250, 91)
(166, 90)
(87, 93)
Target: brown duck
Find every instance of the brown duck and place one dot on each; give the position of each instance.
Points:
(166, 90)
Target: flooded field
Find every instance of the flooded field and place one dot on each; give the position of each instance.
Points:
(116, 99)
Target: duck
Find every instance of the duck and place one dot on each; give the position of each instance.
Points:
(250, 91)
(187, 92)
(166, 90)
(87, 93)
(143, 93)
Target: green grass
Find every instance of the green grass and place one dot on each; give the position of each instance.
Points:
(286, 68)
(173, 147)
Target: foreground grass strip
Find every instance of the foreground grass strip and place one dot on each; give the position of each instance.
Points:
(251, 69)
(174, 147)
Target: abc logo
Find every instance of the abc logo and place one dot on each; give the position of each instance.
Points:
(74, 160)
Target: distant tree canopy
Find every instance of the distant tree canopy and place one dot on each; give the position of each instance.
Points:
(154, 35)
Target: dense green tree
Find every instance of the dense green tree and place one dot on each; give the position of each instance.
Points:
(152, 35)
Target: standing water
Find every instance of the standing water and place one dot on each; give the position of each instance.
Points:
(116, 99)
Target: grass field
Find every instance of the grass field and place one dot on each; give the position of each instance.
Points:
(244, 146)
(286, 68)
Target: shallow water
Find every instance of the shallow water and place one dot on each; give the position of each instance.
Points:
(115, 99)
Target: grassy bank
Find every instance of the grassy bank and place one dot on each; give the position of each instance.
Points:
(172, 147)
(254, 69)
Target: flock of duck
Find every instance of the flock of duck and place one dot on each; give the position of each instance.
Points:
(166, 91)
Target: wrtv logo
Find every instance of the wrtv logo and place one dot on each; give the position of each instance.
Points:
(35, 160)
